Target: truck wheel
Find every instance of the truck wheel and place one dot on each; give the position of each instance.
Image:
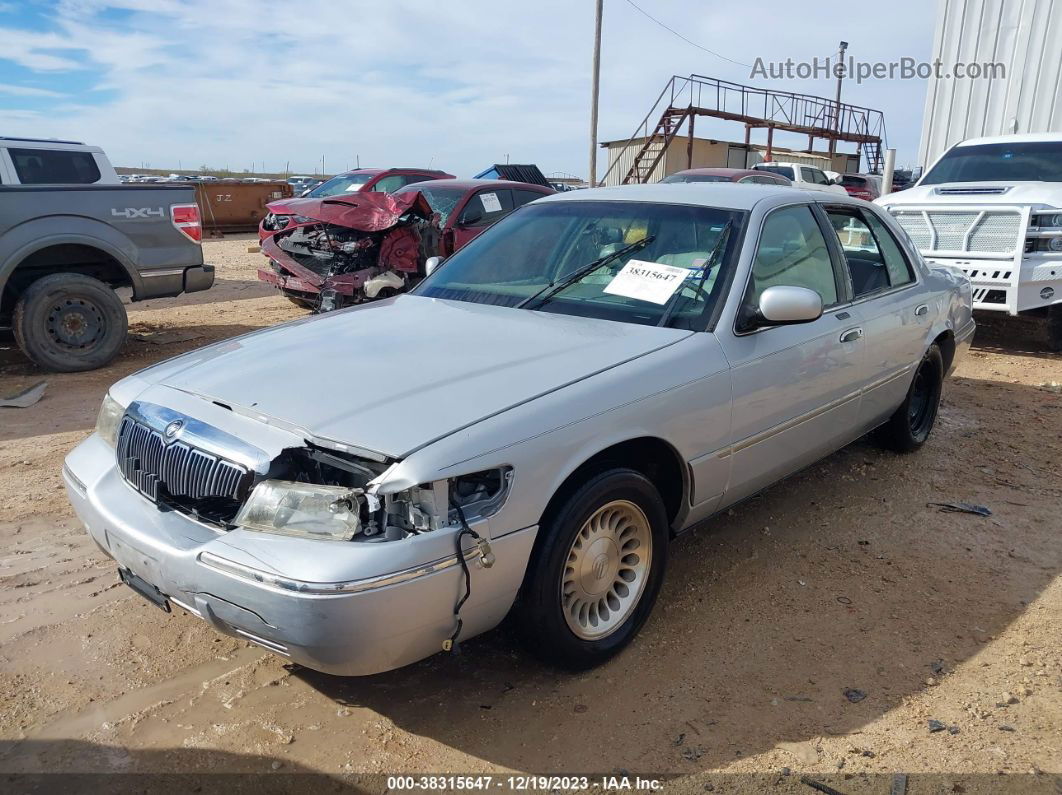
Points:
(69, 322)
(596, 570)
(1054, 328)
(909, 427)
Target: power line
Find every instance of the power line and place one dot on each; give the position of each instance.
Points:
(676, 33)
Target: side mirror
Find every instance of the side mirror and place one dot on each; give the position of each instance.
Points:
(783, 305)
(471, 216)
(431, 264)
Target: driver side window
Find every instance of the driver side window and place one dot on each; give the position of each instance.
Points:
(792, 252)
(486, 207)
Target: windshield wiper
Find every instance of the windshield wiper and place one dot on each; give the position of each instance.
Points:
(709, 263)
(551, 290)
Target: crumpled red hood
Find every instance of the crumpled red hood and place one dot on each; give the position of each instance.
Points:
(365, 212)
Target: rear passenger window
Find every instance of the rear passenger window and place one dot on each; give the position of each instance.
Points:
(895, 260)
(816, 176)
(875, 261)
(792, 252)
(54, 167)
(522, 197)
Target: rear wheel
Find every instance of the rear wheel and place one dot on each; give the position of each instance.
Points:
(596, 570)
(69, 322)
(910, 426)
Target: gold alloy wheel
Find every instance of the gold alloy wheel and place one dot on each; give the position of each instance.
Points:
(606, 570)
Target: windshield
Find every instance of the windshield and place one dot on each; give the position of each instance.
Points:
(540, 244)
(695, 178)
(344, 183)
(442, 200)
(1030, 161)
(782, 171)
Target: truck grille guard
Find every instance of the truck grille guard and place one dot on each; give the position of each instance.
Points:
(987, 242)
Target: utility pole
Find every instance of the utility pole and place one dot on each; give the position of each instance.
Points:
(837, 108)
(594, 85)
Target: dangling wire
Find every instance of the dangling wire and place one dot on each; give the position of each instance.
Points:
(451, 644)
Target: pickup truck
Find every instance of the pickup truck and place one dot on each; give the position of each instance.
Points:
(992, 208)
(802, 176)
(65, 248)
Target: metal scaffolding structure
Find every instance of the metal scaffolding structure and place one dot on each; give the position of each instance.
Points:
(685, 98)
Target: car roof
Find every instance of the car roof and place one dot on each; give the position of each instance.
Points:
(472, 184)
(375, 171)
(729, 195)
(717, 172)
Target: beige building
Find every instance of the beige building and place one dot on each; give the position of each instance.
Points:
(712, 153)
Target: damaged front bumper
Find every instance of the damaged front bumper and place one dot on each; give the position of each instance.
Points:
(339, 607)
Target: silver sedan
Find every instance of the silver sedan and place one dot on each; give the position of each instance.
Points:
(526, 431)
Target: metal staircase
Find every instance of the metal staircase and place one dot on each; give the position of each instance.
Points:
(685, 98)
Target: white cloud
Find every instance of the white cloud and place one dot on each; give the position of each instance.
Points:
(28, 91)
(462, 84)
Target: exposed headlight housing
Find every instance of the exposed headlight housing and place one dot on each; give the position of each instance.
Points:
(109, 420)
(287, 508)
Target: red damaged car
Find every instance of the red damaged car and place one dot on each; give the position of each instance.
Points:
(360, 180)
(358, 247)
(468, 206)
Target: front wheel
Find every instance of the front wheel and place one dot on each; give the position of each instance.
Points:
(910, 425)
(596, 570)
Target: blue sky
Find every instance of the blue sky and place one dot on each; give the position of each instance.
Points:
(228, 83)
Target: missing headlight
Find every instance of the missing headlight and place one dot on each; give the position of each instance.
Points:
(480, 494)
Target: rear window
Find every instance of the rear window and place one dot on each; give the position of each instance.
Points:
(849, 181)
(782, 171)
(54, 167)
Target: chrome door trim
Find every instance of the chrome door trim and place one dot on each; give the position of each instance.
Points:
(781, 427)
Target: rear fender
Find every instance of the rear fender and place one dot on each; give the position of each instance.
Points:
(35, 235)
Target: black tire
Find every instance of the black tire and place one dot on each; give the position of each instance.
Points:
(540, 613)
(69, 322)
(1054, 328)
(910, 426)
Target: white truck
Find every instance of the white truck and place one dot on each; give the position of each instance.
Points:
(992, 207)
(802, 176)
(47, 161)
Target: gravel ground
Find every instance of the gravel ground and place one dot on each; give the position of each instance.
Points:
(835, 626)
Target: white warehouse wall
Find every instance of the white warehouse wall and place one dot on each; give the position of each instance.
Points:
(1024, 35)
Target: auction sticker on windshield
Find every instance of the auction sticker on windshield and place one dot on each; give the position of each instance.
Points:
(490, 202)
(647, 281)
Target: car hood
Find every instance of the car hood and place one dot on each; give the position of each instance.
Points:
(395, 375)
(1037, 194)
(365, 212)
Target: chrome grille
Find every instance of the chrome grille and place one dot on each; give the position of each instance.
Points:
(974, 231)
(156, 468)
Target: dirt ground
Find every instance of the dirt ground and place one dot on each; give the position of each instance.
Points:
(840, 579)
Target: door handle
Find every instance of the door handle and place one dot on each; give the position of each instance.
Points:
(922, 309)
(851, 335)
